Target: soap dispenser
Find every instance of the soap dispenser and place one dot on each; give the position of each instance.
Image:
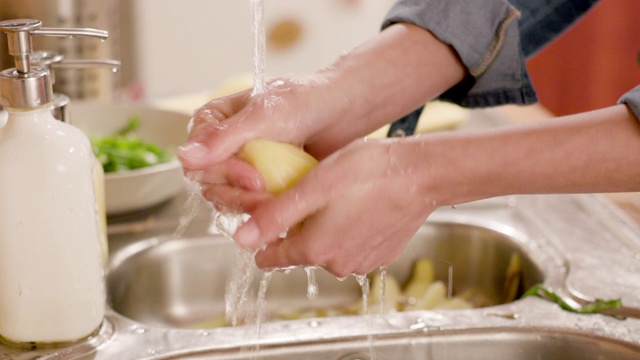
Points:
(51, 279)
(51, 60)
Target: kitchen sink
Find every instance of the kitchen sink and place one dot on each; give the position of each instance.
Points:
(181, 283)
(166, 296)
(513, 344)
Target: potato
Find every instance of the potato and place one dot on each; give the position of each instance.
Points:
(435, 293)
(280, 164)
(392, 294)
(422, 275)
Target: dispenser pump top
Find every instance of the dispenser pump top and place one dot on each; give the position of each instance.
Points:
(27, 86)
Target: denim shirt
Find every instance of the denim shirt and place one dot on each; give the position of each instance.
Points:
(493, 39)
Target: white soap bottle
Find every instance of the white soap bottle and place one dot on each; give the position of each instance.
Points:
(51, 278)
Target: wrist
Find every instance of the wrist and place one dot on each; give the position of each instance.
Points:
(393, 74)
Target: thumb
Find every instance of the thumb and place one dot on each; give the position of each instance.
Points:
(273, 217)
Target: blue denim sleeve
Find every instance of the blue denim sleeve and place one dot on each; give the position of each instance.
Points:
(632, 100)
(491, 41)
(485, 35)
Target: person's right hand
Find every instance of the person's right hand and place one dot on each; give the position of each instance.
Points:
(352, 213)
(286, 112)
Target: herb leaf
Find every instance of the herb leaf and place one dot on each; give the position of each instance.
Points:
(595, 307)
(124, 151)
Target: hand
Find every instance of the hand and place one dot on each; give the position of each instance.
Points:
(357, 209)
(221, 127)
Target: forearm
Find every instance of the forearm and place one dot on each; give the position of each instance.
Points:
(389, 76)
(591, 152)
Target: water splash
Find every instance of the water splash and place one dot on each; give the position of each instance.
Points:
(191, 206)
(363, 281)
(364, 286)
(383, 287)
(238, 292)
(312, 284)
(261, 303)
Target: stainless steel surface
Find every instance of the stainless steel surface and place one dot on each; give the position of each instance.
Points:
(50, 60)
(71, 32)
(18, 34)
(25, 86)
(98, 14)
(506, 344)
(179, 283)
(577, 243)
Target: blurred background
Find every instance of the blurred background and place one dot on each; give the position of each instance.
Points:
(170, 48)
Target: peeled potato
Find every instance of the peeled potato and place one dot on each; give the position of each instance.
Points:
(280, 164)
(392, 293)
(435, 293)
(422, 275)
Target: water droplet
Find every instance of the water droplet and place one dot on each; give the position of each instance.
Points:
(314, 323)
(418, 325)
(114, 69)
(138, 330)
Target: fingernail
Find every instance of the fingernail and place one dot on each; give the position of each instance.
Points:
(251, 184)
(194, 151)
(248, 234)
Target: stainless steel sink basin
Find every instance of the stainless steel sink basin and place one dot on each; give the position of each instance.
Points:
(514, 344)
(181, 283)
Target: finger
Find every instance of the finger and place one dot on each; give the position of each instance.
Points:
(234, 172)
(275, 216)
(301, 250)
(214, 113)
(216, 132)
(279, 255)
(230, 198)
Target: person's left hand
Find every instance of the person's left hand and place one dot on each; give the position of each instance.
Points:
(352, 213)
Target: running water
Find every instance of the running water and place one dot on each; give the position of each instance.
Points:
(261, 303)
(259, 46)
(312, 284)
(191, 208)
(383, 287)
(364, 287)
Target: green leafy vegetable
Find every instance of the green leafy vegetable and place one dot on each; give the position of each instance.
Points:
(124, 151)
(598, 306)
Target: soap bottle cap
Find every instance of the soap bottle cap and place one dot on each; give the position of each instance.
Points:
(26, 86)
(50, 60)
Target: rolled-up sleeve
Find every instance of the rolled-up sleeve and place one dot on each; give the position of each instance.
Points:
(632, 100)
(486, 37)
